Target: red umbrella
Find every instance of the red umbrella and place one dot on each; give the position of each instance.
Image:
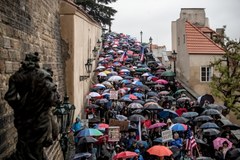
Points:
(125, 154)
(160, 151)
(161, 81)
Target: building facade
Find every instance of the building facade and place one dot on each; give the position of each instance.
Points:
(192, 40)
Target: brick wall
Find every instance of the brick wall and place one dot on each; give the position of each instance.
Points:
(27, 26)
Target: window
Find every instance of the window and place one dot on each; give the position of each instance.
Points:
(178, 41)
(184, 39)
(206, 74)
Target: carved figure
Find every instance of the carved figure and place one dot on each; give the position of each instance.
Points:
(32, 94)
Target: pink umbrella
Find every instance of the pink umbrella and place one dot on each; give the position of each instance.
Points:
(161, 81)
(218, 142)
(156, 125)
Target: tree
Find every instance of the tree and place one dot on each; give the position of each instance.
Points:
(226, 81)
(98, 10)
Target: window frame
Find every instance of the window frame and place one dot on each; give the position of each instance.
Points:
(206, 75)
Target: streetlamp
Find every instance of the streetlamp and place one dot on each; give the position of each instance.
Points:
(95, 51)
(174, 57)
(88, 67)
(70, 108)
(141, 33)
(150, 41)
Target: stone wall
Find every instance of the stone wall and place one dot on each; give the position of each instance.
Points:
(28, 26)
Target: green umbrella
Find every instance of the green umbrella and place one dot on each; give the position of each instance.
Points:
(168, 74)
(142, 70)
(180, 91)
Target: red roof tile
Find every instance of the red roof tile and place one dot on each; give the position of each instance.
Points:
(198, 43)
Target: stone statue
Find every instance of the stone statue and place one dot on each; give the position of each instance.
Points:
(32, 94)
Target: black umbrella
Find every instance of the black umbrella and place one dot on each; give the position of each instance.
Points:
(93, 106)
(207, 97)
(233, 153)
(138, 101)
(152, 94)
(211, 132)
(137, 111)
(102, 101)
(203, 118)
(231, 126)
(136, 118)
(153, 106)
(87, 140)
(180, 120)
(78, 156)
(215, 106)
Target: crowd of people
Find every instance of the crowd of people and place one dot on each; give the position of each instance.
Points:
(152, 102)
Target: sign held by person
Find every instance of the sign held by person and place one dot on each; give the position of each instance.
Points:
(167, 135)
(113, 133)
(122, 124)
(114, 95)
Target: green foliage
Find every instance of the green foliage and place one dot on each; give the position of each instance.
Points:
(226, 81)
(98, 10)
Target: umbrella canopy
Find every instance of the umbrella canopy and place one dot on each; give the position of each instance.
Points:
(180, 120)
(160, 151)
(218, 142)
(115, 78)
(203, 118)
(121, 117)
(168, 74)
(207, 97)
(209, 125)
(152, 94)
(231, 126)
(161, 81)
(83, 140)
(168, 113)
(81, 155)
(211, 132)
(102, 74)
(183, 99)
(214, 106)
(94, 94)
(125, 155)
(164, 92)
(189, 114)
(233, 154)
(101, 126)
(180, 91)
(102, 101)
(89, 132)
(178, 127)
(136, 118)
(135, 106)
(130, 96)
(152, 106)
(211, 112)
(156, 125)
(204, 158)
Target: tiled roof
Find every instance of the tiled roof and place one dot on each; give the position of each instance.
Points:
(206, 30)
(198, 43)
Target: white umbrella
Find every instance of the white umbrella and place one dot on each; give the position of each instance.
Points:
(115, 78)
(94, 94)
(102, 74)
(100, 67)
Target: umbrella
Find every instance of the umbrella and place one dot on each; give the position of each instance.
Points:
(206, 97)
(100, 67)
(231, 126)
(180, 120)
(136, 118)
(138, 101)
(130, 96)
(101, 126)
(208, 125)
(135, 106)
(164, 92)
(211, 112)
(168, 74)
(137, 111)
(81, 155)
(233, 154)
(142, 143)
(183, 99)
(161, 81)
(200, 141)
(211, 132)
(158, 140)
(121, 117)
(159, 86)
(152, 106)
(204, 158)
(156, 125)
(180, 91)
(139, 95)
(152, 94)
(115, 78)
(168, 113)
(93, 106)
(146, 74)
(126, 81)
(160, 151)
(214, 106)
(102, 101)
(202, 118)
(175, 150)
(189, 114)
(218, 142)
(178, 127)
(125, 155)
(89, 132)
(87, 140)
(94, 94)
(125, 99)
(102, 74)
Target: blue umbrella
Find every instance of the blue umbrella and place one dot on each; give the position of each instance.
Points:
(208, 125)
(143, 143)
(126, 81)
(178, 127)
(139, 95)
(168, 113)
(138, 83)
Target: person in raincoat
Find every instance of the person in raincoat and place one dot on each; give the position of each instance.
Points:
(76, 127)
